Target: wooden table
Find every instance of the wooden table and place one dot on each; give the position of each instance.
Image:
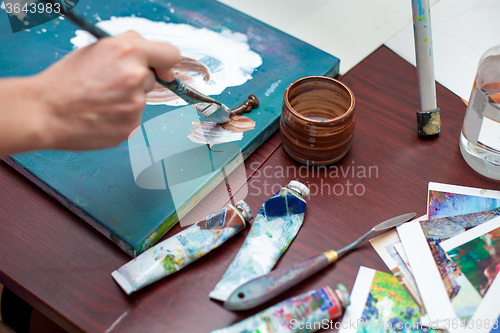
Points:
(62, 266)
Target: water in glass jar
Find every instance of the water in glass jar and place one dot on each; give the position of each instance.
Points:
(480, 137)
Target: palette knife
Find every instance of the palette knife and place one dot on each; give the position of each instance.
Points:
(264, 288)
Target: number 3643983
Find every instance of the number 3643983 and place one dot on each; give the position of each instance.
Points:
(32, 8)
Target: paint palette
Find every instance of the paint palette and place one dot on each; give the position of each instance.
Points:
(136, 192)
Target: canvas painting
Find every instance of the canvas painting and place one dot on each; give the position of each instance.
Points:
(135, 192)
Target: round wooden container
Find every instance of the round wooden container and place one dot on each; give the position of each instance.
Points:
(317, 120)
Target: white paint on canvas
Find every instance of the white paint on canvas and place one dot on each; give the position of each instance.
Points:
(227, 54)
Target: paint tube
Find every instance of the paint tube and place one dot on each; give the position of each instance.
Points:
(276, 225)
(180, 250)
(304, 313)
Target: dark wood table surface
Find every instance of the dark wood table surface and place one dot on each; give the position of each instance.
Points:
(62, 266)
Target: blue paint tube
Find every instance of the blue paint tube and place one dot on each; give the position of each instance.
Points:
(178, 251)
(276, 225)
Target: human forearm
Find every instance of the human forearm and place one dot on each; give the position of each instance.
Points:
(23, 116)
(91, 99)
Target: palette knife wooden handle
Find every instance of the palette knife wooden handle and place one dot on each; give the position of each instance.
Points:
(264, 288)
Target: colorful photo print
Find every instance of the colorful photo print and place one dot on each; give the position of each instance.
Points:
(479, 259)
(403, 274)
(449, 200)
(388, 246)
(402, 254)
(449, 297)
(464, 297)
(379, 304)
(388, 305)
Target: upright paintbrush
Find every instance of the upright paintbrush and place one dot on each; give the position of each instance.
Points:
(206, 106)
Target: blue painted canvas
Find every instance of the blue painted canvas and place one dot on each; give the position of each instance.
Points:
(107, 188)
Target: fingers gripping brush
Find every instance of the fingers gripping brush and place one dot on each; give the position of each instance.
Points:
(208, 107)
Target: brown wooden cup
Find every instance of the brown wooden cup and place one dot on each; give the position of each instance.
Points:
(317, 120)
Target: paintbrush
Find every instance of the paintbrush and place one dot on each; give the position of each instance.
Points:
(428, 117)
(264, 288)
(206, 106)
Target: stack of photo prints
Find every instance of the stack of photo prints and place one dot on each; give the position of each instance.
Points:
(444, 265)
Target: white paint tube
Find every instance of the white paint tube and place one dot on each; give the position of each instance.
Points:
(276, 225)
(178, 251)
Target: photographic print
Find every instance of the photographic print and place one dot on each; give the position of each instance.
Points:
(448, 200)
(463, 296)
(476, 257)
(380, 304)
(386, 246)
(401, 252)
(455, 298)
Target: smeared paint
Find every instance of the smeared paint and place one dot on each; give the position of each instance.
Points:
(226, 54)
(180, 250)
(276, 225)
(162, 95)
(211, 133)
(309, 309)
(272, 88)
(251, 103)
(239, 124)
(421, 10)
(191, 65)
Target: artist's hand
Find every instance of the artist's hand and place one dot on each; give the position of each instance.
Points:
(94, 97)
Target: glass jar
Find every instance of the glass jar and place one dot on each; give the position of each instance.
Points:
(480, 136)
